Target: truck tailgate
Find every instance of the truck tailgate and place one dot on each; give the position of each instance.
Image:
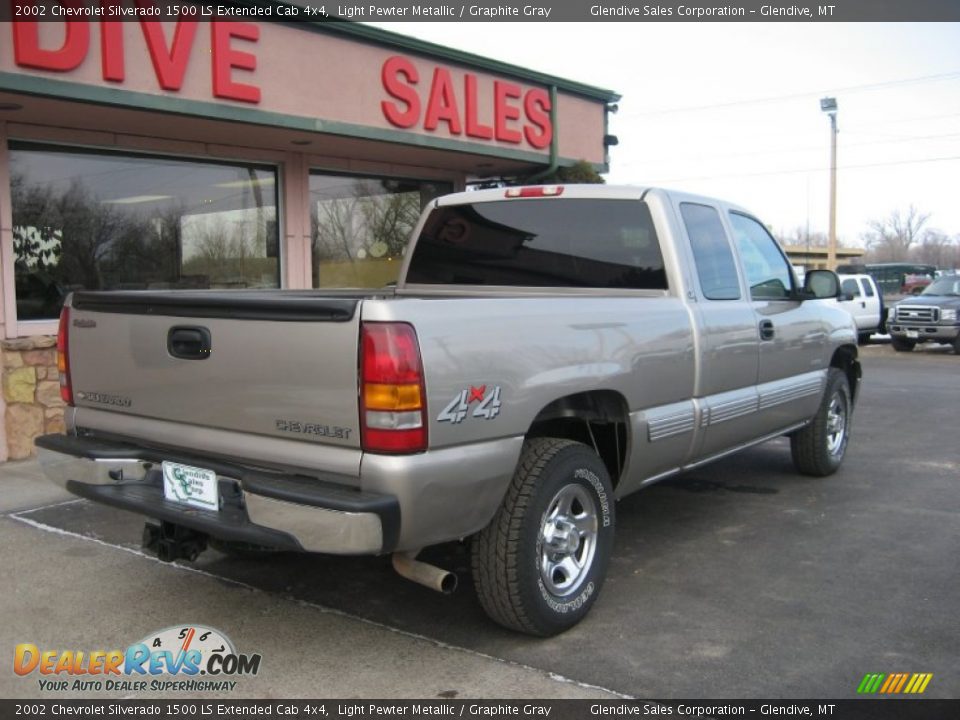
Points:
(280, 364)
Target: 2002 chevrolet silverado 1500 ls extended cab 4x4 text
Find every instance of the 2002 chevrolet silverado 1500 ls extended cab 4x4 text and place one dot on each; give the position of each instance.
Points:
(546, 351)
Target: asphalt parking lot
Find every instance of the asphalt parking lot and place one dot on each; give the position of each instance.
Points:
(741, 579)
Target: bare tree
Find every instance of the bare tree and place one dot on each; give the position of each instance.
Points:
(802, 237)
(336, 235)
(70, 230)
(389, 220)
(891, 239)
(936, 248)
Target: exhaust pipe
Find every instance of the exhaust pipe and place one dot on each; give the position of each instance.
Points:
(420, 572)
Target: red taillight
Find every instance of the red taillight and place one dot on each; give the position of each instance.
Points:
(535, 191)
(63, 357)
(393, 408)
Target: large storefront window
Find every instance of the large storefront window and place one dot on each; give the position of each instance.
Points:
(361, 226)
(106, 221)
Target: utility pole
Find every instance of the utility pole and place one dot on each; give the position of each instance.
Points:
(829, 106)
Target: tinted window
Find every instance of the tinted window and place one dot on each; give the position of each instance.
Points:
(716, 267)
(541, 243)
(850, 287)
(867, 287)
(768, 273)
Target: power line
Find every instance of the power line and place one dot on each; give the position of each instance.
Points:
(794, 96)
(813, 169)
(880, 123)
(897, 140)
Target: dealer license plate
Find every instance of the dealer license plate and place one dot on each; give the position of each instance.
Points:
(190, 486)
(913, 334)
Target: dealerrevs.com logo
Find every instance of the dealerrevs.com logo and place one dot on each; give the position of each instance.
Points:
(186, 658)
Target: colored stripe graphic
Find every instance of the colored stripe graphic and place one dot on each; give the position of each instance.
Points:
(923, 679)
(894, 683)
(870, 683)
(890, 682)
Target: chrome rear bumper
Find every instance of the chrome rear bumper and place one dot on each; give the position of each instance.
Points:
(264, 508)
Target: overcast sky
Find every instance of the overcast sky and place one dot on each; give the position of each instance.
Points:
(732, 109)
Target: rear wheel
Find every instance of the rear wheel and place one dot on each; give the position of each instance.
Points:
(956, 345)
(819, 448)
(901, 345)
(539, 565)
(863, 338)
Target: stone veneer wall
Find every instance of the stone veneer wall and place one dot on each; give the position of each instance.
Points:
(31, 392)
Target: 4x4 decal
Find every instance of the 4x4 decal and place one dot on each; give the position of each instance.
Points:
(457, 409)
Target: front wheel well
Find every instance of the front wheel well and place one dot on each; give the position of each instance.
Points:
(845, 359)
(598, 419)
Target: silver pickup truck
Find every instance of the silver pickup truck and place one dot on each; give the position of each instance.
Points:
(546, 351)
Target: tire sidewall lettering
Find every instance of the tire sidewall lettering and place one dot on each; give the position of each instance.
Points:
(562, 608)
(583, 476)
(591, 477)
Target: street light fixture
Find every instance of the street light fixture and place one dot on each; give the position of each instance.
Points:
(829, 106)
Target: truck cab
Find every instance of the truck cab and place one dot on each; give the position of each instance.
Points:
(861, 297)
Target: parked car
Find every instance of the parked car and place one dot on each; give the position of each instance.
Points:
(545, 351)
(929, 317)
(864, 301)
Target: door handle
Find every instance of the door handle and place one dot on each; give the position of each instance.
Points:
(189, 342)
(766, 330)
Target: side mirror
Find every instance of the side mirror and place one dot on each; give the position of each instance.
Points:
(822, 284)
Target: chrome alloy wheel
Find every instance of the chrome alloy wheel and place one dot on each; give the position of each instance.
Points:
(836, 424)
(568, 540)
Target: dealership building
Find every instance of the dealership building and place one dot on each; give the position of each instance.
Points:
(236, 154)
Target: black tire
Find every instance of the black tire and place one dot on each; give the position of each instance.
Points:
(901, 345)
(956, 345)
(864, 338)
(522, 582)
(819, 448)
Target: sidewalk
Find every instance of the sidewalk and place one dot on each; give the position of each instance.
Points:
(64, 591)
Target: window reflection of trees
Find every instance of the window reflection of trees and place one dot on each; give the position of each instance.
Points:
(67, 237)
(361, 228)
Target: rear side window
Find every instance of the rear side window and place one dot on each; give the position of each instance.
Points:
(867, 287)
(541, 243)
(716, 267)
(850, 287)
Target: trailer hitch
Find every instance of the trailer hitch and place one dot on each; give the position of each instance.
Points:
(170, 541)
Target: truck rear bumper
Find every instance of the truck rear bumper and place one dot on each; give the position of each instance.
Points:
(284, 511)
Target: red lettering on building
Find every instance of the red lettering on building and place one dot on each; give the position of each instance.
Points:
(475, 128)
(28, 53)
(539, 131)
(402, 90)
(443, 103)
(170, 62)
(111, 51)
(225, 59)
(516, 116)
(505, 112)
